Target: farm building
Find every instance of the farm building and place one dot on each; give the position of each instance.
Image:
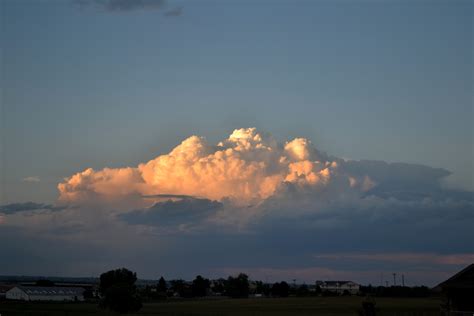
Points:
(50, 293)
(4, 288)
(339, 287)
(459, 291)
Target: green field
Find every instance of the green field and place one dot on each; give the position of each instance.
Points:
(237, 307)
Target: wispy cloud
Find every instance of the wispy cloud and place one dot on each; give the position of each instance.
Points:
(412, 258)
(28, 206)
(174, 12)
(124, 5)
(32, 179)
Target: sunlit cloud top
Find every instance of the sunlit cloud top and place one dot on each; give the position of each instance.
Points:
(246, 166)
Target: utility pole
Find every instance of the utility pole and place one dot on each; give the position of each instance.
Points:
(403, 280)
(394, 279)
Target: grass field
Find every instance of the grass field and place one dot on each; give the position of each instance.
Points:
(237, 307)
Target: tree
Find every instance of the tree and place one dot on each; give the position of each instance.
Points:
(119, 292)
(319, 291)
(218, 286)
(303, 290)
(180, 287)
(162, 287)
(237, 286)
(200, 286)
(281, 289)
(262, 288)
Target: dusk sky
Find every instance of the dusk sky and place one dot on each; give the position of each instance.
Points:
(289, 140)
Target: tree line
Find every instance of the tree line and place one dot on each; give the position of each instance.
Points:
(118, 290)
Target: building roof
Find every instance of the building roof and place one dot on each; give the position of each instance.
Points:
(51, 290)
(462, 280)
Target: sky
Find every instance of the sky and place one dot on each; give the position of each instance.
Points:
(285, 139)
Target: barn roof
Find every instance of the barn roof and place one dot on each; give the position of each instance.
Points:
(51, 290)
(461, 280)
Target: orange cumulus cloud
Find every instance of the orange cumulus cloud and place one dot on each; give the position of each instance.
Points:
(247, 166)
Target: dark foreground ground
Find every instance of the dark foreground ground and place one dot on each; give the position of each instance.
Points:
(237, 307)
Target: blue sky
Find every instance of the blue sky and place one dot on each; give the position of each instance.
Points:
(367, 80)
(83, 86)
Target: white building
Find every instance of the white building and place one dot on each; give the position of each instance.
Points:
(41, 293)
(339, 286)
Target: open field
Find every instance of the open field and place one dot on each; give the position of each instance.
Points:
(237, 307)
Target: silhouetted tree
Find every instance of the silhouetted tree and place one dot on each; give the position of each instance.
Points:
(180, 287)
(318, 291)
(302, 290)
(200, 286)
(218, 286)
(259, 287)
(162, 287)
(88, 293)
(119, 292)
(237, 286)
(281, 289)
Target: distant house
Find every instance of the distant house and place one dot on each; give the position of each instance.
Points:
(339, 287)
(50, 293)
(459, 291)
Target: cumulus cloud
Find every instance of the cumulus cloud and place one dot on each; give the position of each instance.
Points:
(247, 167)
(250, 168)
(249, 192)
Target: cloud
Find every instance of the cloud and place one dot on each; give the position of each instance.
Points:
(27, 206)
(174, 12)
(248, 167)
(31, 179)
(410, 258)
(181, 212)
(259, 177)
(252, 203)
(124, 5)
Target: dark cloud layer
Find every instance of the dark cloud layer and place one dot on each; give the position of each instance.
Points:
(184, 211)
(27, 206)
(124, 5)
(398, 176)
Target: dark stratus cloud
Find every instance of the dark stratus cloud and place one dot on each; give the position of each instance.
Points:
(27, 206)
(168, 213)
(124, 5)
